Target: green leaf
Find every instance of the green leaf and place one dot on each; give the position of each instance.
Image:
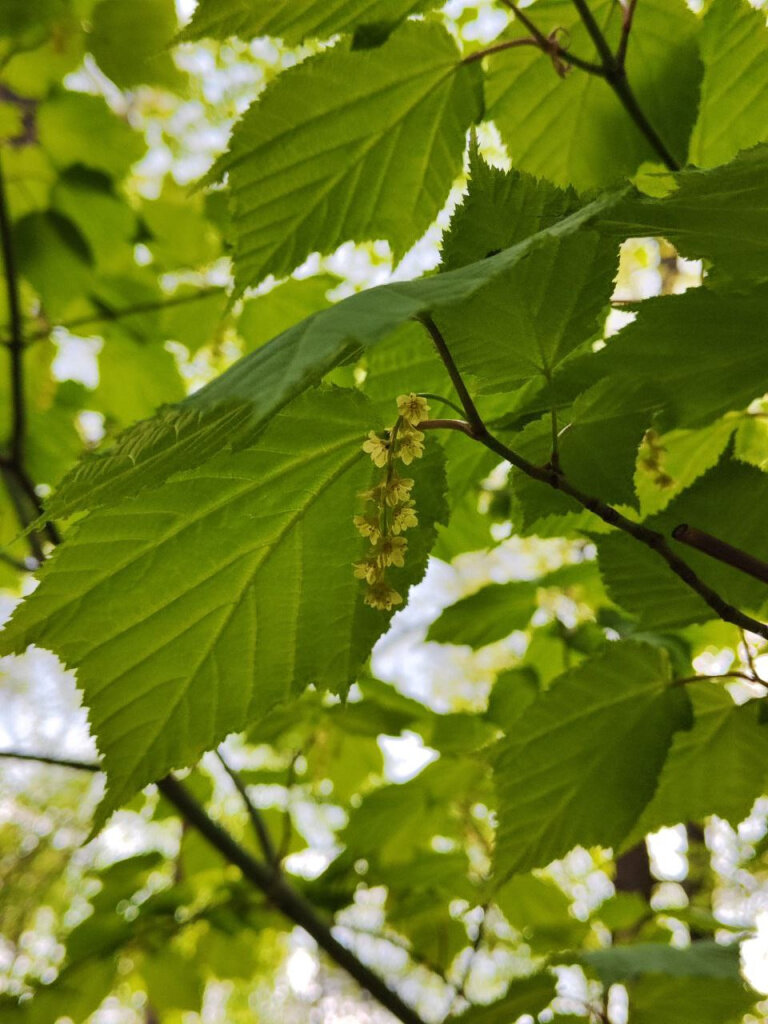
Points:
(699, 960)
(524, 996)
(293, 21)
(638, 580)
(266, 316)
(561, 783)
(720, 215)
(684, 344)
(265, 380)
(135, 379)
(129, 42)
(488, 615)
(532, 317)
(495, 611)
(79, 129)
(752, 441)
(574, 130)
(601, 436)
(664, 1000)
(718, 767)
(733, 109)
(325, 153)
(669, 463)
(500, 209)
(222, 592)
(539, 910)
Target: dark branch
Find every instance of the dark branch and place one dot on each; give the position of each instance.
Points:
(547, 44)
(273, 884)
(470, 410)
(259, 827)
(722, 551)
(461, 425)
(614, 72)
(553, 478)
(626, 28)
(284, 898)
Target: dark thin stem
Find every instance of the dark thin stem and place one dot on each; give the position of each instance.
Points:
(441, 398)
(614, 73)
(60, 762)
(274, 886)
(470, 410)
(721, 551)
(110, 315)
(750, 660)
(259, 827)
(461, 425)
(286, 899)
(24, 512)
(16, 340)
(508, 44)
(626, 29)
(722, 675)
(558, 481)
(547, 44)
(596, 35)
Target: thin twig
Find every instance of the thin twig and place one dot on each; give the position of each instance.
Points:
(60, 762)
(461, 425)
(750, 660)
(614, 72)
(721, 551)
(508, 44)
(558, 481)
(626, 28)
(721, 675)
(259, 826)
(547, 44)
(285, 898)
(111, 315)
(274, 886)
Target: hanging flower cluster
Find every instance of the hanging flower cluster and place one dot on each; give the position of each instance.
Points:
(393, 508)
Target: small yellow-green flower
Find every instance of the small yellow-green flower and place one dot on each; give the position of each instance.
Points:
(368, 526)
(397, 489)
(410, 446)
(368, 569)
(412, 408)
(377, 447)
(403, 518)
(380, 595)
(391, 551)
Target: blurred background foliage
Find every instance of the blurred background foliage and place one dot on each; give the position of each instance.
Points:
(379, 807)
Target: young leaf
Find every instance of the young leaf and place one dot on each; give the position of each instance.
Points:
(719, 214)
(325, 153)
(561, 783)
(220, 593)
